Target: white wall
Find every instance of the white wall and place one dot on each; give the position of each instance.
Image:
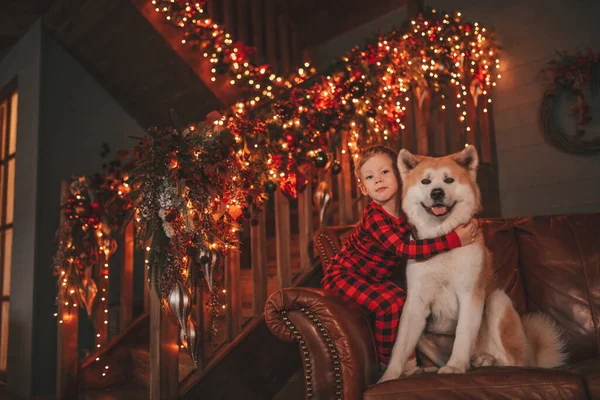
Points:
(24, 63)
(535, 178)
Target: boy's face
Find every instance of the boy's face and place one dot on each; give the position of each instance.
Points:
(377, 179)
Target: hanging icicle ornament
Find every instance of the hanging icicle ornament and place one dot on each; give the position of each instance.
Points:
(209, 260)
(322, 198)
(180, 304)
(190, 339)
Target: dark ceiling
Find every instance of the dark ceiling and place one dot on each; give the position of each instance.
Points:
(16, 16)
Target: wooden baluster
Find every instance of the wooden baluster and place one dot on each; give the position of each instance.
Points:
(199, 318)
(241, 12)
(67, 334)
(471, 120)
(439, 116)
(483, 120)
(344, 184)
(146, 287)
(164, 351)
(408, 133)
(284, 44)
(233, 287)
(422, 112)
(258, 239)
(101, 316)
(282, 240)
(296, 51)
(271, 32)
(127, 278)
(453, 125)
(256, 8)
(212, 10)
(229, 17)
(305, 222)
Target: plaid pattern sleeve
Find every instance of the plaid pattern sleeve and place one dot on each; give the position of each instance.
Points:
(396, 238)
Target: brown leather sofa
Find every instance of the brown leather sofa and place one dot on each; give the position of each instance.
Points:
(544, 263)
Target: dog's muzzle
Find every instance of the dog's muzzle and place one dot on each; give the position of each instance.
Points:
(439, 209)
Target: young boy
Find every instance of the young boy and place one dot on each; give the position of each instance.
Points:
(362, 268)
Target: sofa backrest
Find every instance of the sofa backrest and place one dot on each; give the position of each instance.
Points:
(546, 263)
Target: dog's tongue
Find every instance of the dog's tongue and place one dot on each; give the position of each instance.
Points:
(439, 210)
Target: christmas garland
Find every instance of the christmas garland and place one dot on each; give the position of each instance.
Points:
(570, 74)
(95, 207)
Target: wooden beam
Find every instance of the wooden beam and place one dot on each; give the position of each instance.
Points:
(164, 351)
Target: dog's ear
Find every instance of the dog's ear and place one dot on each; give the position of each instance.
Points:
(406, 162)
(467, 158)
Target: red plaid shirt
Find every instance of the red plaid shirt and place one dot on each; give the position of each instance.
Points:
(379, 242)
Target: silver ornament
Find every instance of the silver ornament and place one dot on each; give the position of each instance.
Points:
(191, 340)
(322, 198)
(180, 303)
(209, 260)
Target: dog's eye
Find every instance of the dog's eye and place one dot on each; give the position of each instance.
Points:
(425, 181)
(448, 180)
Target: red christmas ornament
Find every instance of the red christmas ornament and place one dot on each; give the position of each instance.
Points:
(292, 184)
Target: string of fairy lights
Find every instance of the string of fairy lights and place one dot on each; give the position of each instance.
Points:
(279, 128)
(227, 58)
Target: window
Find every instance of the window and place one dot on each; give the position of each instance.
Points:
(8, 135)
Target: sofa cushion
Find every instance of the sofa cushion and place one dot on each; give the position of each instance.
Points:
(590, 372)
(483, 383)
(500, 239)
(560, 262)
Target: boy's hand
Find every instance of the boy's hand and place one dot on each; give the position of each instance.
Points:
(467, 232)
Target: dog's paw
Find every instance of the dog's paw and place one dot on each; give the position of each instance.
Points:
(483, 360)
(448, 369)
(420, 371)
(390, 374)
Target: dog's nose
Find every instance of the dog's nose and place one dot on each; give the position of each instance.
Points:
(437, 194)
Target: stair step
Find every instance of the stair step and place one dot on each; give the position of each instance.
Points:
(127, 391)
(141, 365)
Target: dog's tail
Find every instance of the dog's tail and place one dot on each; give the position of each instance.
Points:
(544, 340)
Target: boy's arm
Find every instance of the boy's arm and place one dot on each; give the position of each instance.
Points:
(397, 239)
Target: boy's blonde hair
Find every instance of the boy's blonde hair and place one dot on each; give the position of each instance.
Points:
(365, 154)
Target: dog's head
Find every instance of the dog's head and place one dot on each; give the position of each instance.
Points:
(439, 190)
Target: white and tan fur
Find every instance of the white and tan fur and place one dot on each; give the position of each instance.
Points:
(453, 293)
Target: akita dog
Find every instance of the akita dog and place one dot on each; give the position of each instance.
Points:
(453, 293)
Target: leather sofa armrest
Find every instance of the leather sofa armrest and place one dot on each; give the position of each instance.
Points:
(335, 338)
